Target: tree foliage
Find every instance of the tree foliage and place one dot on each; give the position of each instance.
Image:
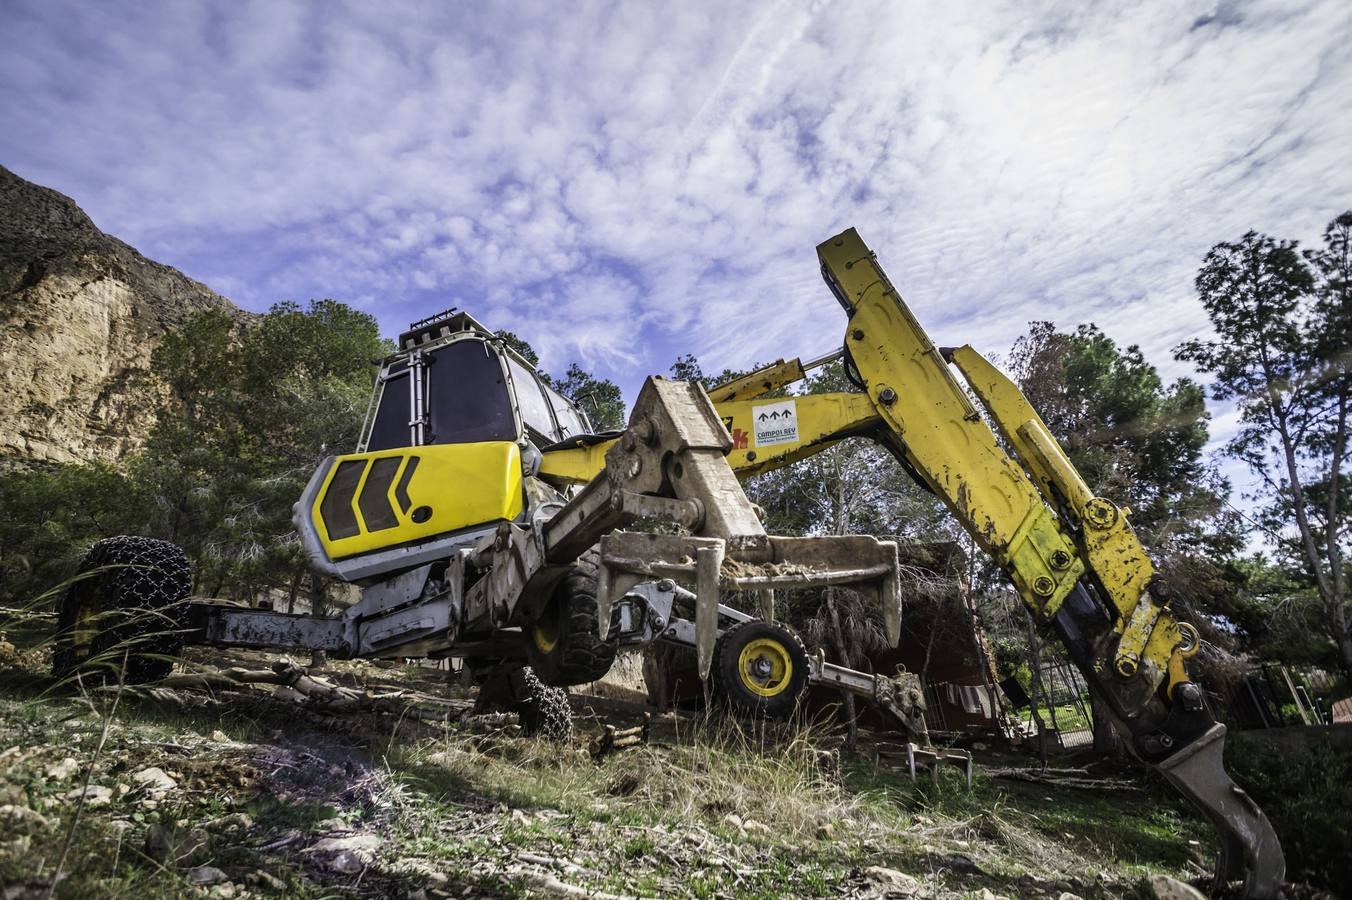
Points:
(599, 398)
(1283, 320)
(254, 411)
(520, 345)
(1135, 439)
(51, 516)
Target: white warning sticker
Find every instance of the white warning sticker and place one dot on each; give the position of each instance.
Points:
(775, 423)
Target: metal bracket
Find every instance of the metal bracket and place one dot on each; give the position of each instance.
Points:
(241, 627)
(902, 695)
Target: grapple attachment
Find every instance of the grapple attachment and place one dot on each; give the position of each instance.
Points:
(1250, 851)
(671, 465)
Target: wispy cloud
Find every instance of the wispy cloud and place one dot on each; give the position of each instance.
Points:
(621, 183)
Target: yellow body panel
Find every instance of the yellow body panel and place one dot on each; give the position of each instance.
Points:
(574, 465)
(393, 497)
(819, 420)
(762, 381)
(1109, 544)
(810, 424)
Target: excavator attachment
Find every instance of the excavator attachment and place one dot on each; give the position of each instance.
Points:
(860, 562)
(1072, 555)
(671, 464)
(1250, 851)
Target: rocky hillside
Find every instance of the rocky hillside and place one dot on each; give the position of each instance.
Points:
(80, 313)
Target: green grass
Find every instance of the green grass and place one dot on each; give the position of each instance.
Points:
(1068, 718)
(648, 821)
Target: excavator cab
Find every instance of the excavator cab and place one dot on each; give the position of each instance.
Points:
(455, 413)
(453, 381)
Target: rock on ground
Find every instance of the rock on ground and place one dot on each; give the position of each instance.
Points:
(154, 780)
(1163, 887)
(892, 883)
(207, 875)
(94, 795)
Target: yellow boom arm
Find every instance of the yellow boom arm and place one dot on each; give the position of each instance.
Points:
(1073, 556)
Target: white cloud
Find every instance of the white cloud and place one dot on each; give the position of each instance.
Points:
(623, 183)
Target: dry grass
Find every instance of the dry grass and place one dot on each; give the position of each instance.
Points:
(709, 808)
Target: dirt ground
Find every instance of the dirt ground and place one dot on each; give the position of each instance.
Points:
(254, 793)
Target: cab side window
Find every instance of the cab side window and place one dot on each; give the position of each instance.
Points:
(391, 426)
(571, 421)
(530, 399)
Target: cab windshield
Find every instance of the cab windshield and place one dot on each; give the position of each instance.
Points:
(465, 396)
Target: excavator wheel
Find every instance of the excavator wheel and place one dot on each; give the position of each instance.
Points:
(563, 644)
(542, 709)
(123, 615)
(760, 669)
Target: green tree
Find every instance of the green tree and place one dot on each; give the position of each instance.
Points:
(1276, 612)
(52, 514)
(1133, 438)
(1282, 325)
(250, 413)
(520, 345)
(599, 398)
(687, 368)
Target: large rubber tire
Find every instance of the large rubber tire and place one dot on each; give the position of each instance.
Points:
(133, 609)
(760, 669)
(563, 644)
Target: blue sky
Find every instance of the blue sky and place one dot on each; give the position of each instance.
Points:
(624, 182)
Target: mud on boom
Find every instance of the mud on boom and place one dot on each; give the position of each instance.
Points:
(483, 520)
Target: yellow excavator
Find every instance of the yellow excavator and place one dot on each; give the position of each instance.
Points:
(484, 520)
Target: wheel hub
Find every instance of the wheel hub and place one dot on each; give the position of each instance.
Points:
(765, 667)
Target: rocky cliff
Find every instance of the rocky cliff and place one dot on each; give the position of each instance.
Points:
(80, 313)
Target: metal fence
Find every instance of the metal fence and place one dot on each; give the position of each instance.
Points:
(1272, 695)
(1065, 710)
(1275, 695)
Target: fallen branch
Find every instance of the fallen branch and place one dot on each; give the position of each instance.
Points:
(1087, 783)
(202, 681)
(613, 740)
(293, 684)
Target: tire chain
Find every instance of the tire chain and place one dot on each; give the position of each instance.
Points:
(544, 709)
(155, 572)
(143, 575)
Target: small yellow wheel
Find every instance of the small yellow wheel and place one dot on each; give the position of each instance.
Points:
(760, 668)
(765, 667)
